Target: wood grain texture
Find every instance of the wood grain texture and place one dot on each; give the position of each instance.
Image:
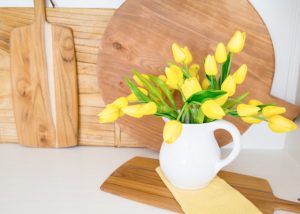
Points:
(65, 84)
(44, 83)
(140, 35)
(137, 180)
(88, 26)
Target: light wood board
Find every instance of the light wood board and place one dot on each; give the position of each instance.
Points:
(44, 83)
(140, 34)
(88, 26)
(137, 180)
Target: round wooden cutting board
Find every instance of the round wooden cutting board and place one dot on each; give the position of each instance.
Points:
(140, 35)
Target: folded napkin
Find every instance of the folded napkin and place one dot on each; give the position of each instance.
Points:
(217, 198)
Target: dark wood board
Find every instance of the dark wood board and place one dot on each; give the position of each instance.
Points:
(140, 35)
(137, 180)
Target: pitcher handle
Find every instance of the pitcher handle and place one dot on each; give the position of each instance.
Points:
(236, 136)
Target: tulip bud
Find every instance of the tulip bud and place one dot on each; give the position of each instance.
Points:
(210, 66)
(240, 74)
(221, 55)
(120, 102)
(132, 97)
(190, 86)
(205, 84)
(212, 110)
(133, 111)
(270, 111)
(221, 100)
(148, 108)
(254, 102)
(251, 120)
(178, 53)
(193, 70)
(188, 56)
(163, 78)
(109, 114)
(229, 85)
(281, 124)
(245, 110)
(237, 41)
(138, 81)
(172, 131)
(174, 76)
(181, 55)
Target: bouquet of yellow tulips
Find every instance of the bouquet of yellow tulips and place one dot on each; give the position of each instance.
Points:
(202, 103)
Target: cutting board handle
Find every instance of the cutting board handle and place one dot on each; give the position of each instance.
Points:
(39, 11)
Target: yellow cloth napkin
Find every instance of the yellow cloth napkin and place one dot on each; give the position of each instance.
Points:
(217, 198)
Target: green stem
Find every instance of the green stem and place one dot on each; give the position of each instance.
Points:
(221, 74)
(182, 111)
(185, 71)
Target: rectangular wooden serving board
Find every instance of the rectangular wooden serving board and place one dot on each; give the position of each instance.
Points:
(137, 180)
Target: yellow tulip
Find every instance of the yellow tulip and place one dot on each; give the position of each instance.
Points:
(281, 124)
(251, 120)
(132, 97)
(138, 81)
(237, 41)
(240, 74)
(193, 70)
(109, 114)
(120, 102)
(254, 102)
(174, 76)
(221, 55)
(205, 84)
(270, 111)
(221, 100)
(181, 55)
(245, 110)
(172, 131)
(133, 110)
(148, 108)
(212, 110)
(178, 53)
(229, 85)
(188, 56)
(190, 86)
(162, 77)
(210, 66)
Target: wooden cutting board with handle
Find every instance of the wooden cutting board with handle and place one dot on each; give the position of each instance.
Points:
(140, 34)
(137, 180)
(44, 83)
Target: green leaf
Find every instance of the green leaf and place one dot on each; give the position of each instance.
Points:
(150, 87)
(204, 95)
(164, 89)
(233, 114)
(166, 115)
(140, 95)
(225, 69)
(232, 102)
(265, 105)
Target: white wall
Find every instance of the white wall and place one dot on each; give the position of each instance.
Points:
(283, 21)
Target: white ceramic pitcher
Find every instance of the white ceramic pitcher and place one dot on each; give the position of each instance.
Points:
(194, 159)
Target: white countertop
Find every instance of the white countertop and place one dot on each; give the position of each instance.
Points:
(66, 181)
